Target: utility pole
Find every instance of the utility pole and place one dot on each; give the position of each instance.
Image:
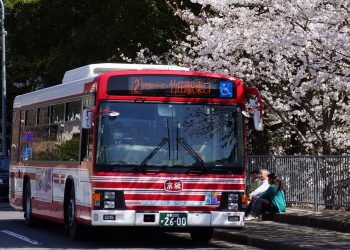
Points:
(3, 64)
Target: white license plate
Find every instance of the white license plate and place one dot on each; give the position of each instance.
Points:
(173, 219)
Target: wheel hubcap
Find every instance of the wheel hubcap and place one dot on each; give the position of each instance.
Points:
(71, 212)
(28, 206)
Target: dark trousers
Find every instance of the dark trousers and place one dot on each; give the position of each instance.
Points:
(250, 206)
(263, 205)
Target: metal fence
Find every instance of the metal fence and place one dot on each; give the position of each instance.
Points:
(317, 181)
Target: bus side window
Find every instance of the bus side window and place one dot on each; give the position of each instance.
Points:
(86, 145)
(15, 135)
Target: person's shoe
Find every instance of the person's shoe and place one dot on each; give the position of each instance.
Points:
(250, 217)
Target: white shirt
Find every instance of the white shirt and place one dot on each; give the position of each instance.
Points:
(261, 189)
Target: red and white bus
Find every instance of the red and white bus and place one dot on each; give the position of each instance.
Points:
(133, 145)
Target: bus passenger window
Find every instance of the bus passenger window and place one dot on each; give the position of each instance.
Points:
(86, 145)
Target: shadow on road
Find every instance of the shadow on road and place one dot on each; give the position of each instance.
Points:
(53, 235)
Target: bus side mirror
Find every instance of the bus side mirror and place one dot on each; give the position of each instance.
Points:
(257, 115)
(87, 121)
(258, 122)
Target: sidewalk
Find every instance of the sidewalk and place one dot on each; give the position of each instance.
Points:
(296, 229)
(326, 219)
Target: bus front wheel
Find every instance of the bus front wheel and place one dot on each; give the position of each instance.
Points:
(71, 219)
(28, 216)
(201, 234)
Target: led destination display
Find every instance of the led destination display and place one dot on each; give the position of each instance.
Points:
(169, 85)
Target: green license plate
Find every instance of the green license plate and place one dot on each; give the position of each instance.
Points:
(173, 219)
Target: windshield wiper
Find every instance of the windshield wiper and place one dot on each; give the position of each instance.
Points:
(154, 151)
(197, 171)
(191, 151)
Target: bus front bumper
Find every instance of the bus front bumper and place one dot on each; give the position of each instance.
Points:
(141, 218)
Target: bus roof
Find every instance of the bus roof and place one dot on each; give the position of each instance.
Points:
(76, 78)
(96, 69)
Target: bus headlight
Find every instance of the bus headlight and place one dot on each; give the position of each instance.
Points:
(232, 197)
(232, 206)
(109, 204)
(109, 195)
(108, 199)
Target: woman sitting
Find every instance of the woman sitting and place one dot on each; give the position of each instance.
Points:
(272, 200)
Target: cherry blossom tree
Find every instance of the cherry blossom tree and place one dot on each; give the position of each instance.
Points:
(296, 52)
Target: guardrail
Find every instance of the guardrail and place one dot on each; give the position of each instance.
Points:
(310, 180)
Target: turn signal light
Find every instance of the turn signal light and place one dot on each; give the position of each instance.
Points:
(245, 199)
(96, 199)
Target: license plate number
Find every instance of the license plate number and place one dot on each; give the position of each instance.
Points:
(234, 218)
(108, 217)
(173, 219)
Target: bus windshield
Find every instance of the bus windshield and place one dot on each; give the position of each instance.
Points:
(169, 136)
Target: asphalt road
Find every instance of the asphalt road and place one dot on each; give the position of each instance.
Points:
(15, 234)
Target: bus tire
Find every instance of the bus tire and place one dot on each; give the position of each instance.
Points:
(201, 234)
(27, 206)
(71, 220)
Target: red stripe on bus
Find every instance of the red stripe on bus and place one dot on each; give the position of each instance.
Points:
(170, 176)
(164, 197)
(186, 186)
(173, 208)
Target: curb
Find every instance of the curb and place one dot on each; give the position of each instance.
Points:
(311, 221)
(249, 240)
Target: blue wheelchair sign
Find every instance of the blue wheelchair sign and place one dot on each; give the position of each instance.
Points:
(226, 89)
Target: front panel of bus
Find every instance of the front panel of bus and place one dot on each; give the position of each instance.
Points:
(169, 150)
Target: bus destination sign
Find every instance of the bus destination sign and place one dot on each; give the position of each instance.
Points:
(170, 85)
